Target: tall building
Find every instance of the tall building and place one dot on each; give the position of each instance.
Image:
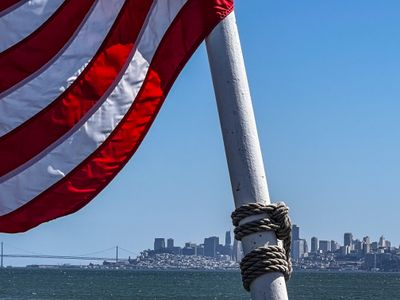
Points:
(382, 242)
(190, 245)
(314, 244)
(175, 250)
(170, 243)
(334, 246)
(366, 248)
(344, 250)
(237, 251)
(305, 246)
(298, 249)
(159, 243)
(348, 239)
(388, 244)
(366, 245)
(357, 245)
(200, 250)
(210, 246)
(228, 240)
(374, 246)
(325, 246)
(295, 233)
(189, 251)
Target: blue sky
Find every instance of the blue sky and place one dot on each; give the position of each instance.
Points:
(324, 76)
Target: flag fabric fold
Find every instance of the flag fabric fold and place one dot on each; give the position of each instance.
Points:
(79, 93)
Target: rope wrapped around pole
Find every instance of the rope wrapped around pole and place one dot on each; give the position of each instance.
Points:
(270, 258)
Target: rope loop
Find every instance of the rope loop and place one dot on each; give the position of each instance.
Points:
(270, 258)
(264, 260)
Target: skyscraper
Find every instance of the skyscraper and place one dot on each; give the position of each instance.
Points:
(228, 240)
(298, 249)
(170, 243)
(237, 252)
(357, 245)
(334, 246)
(159, 243)
(366, 240)
(314, 244)
(210, 246)
(325, 246)
(348, 239)
(382, 243)
(295, 233)
(305, 245)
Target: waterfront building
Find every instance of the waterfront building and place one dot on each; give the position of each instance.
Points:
(366, 248)
(200, 250)
(224, 250)
(210, 246)
(348, 239)
(325, 246)
(190, 245)
(298, 249)
(382, 243)
(334, 246)
(295, 233)
(382, 261)
(189, 251)
(374, 246)
(296, 237)
(237, 251)
(388, 244)
(358, 245)
(345, 250)
(228, 241)
(170, 243)
(314, 244)
(305, 246)
(175, 250)
(159, 243)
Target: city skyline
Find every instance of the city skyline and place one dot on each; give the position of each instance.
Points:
(324, 84)
(353, 254)
(296, 235)
(348, 239)
(339, 237)
(211, 247)
(169, 242)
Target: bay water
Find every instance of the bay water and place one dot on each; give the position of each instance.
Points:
(26, 284)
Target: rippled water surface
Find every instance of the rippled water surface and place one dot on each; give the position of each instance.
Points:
(114, 284)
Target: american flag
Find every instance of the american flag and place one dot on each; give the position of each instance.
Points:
(81, 82)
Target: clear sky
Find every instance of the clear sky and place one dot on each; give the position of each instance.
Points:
(325, 81)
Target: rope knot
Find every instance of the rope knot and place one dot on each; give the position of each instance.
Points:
(270, 258)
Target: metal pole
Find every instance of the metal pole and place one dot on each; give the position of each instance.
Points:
(2, 254)
(242, 146)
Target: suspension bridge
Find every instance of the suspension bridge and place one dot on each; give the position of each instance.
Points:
(93, 256)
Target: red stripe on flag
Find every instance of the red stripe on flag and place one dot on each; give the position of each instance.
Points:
(193, 23)
(32, 137)
(6, 4)
(35, 51)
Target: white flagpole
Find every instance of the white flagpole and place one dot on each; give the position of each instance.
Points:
(242, 146)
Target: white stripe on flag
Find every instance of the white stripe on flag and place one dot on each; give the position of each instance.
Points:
(21, 22)
(32, 97)
(30, 182)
